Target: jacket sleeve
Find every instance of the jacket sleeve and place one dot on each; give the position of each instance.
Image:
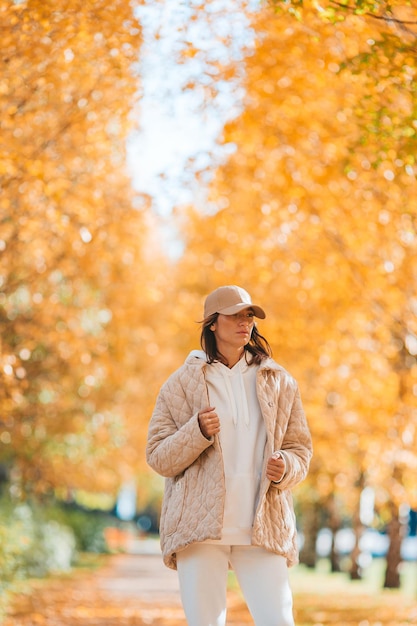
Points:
(296, 445)
(172, 445)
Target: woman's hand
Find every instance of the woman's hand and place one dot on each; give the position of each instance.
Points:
(209, 421)
(275, 468)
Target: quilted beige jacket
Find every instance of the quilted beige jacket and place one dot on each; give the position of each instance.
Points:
(192, 508)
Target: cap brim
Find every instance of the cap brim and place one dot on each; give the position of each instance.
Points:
(231, 310)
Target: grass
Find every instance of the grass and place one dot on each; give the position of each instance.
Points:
(322, 598)
(303, 578)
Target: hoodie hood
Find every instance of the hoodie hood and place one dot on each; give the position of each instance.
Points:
(234, 385)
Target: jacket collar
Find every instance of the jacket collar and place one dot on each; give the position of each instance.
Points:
(197, 358)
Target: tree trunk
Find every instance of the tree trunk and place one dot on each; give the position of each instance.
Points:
(334, 525)
(311, 527)
(355, 569)
(392, 572)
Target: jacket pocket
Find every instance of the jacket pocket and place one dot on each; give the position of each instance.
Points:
(173, 505)
(279, 509)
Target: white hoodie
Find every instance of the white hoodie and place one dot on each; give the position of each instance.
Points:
(242, 437)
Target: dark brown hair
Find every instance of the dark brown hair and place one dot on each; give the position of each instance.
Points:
(256, 350)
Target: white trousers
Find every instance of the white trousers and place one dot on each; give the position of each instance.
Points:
(262, 577)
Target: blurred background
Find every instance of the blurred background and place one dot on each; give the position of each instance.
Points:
(153, 151)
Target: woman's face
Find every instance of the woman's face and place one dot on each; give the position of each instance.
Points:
(233, 331)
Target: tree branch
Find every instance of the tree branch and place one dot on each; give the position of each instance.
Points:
(383, 18)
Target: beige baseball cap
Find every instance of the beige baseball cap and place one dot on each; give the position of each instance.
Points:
(229, 300)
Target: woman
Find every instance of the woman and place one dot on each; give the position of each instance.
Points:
(229, 434)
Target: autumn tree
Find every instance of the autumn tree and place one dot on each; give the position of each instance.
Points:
(385, 113)
(77, 292)
(313, 212)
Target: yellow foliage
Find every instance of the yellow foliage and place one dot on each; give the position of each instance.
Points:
(322, 228)
(75, 258)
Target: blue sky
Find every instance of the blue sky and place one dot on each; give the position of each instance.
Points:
(179, 126)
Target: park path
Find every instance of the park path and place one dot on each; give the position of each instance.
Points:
(134, 589)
